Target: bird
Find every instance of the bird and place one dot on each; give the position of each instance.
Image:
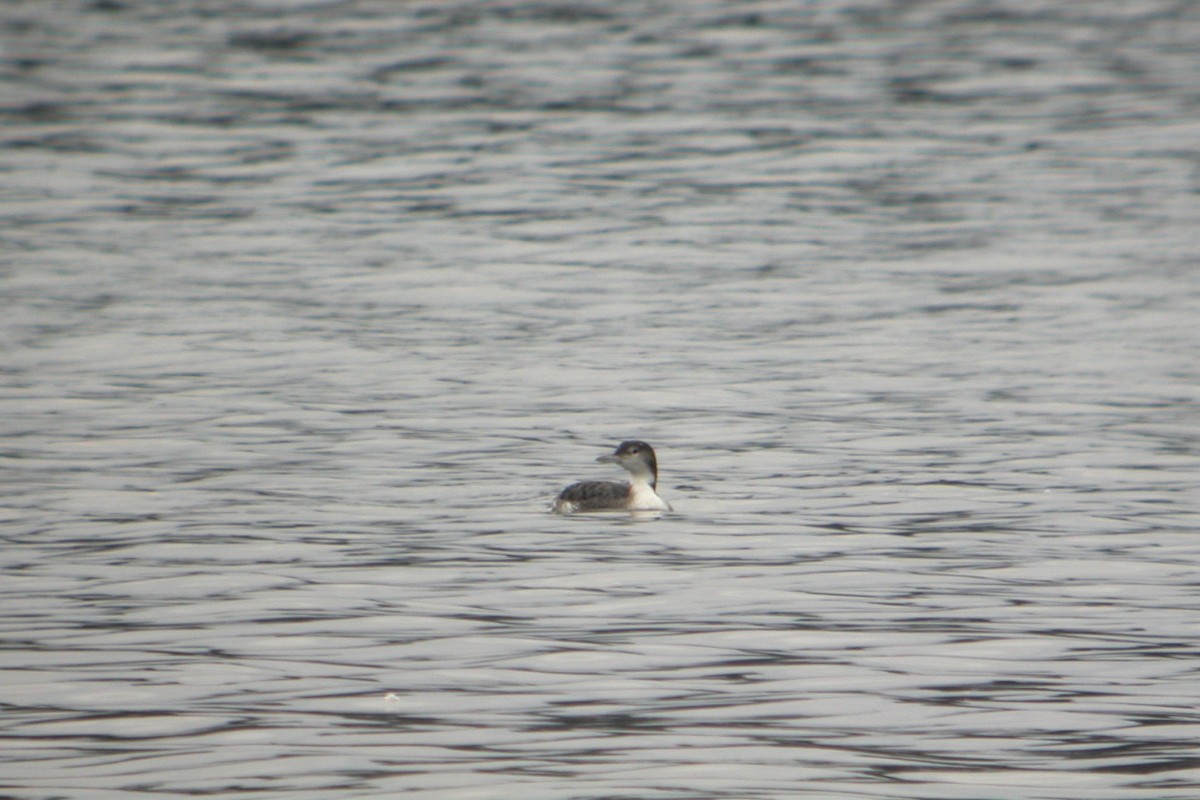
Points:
(638, 495)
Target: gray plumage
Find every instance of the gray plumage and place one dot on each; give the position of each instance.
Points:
(593, 496)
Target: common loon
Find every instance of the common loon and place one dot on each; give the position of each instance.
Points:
(637, 495)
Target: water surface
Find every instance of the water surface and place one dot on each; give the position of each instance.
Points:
(311, 308)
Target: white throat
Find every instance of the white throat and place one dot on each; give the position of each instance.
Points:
(640, 475)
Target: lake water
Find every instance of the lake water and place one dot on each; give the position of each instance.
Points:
(310, 308)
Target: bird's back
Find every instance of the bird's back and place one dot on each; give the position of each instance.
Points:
(593, 496)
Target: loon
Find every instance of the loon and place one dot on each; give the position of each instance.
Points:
(637, 495)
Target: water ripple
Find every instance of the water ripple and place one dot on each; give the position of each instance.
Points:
(311, 310)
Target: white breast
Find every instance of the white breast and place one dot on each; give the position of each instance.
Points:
(643, 498)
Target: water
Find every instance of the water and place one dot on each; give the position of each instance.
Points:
(311, 308)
